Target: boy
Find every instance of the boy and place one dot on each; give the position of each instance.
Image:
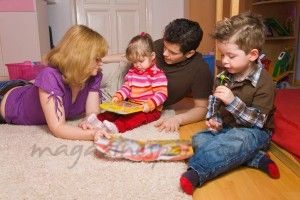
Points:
(240, 112)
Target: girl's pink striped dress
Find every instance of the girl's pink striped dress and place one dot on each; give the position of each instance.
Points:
(149, 86)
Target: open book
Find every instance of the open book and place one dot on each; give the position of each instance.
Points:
(119, 147)
(122, 107)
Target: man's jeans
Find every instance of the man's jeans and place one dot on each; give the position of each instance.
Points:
(216, 153)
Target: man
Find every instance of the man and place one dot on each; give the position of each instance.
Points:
(186, 71)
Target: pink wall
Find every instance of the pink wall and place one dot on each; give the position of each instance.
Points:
(17, 6)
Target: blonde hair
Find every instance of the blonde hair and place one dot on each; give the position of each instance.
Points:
(139, 46)
(246, 30)
(75, 52)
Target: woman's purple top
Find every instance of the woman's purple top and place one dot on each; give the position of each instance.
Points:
(23, 104)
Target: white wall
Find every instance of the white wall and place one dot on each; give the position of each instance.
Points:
(162, 13)
(23, 35)
(61, 16)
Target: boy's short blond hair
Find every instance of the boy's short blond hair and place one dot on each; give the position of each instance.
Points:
(139, 47)
(246, 30)
(75, 52)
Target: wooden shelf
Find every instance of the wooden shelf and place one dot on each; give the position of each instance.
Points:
(280, 10)
(281, 38)
(281, 76)
(272, 1)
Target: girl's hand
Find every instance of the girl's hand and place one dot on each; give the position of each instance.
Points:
(115, 99)
(146, 108)
(213, 125)
(224, 94)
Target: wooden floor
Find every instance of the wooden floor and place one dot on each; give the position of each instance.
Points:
(246, 183)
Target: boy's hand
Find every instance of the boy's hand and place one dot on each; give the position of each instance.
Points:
(224, 94)
(213, 125)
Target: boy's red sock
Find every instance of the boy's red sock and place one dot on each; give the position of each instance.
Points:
(189, 181)
(269, 166)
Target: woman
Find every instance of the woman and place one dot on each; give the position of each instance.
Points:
(67, 88)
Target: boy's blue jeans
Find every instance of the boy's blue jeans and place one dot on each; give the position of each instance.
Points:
(216, 153)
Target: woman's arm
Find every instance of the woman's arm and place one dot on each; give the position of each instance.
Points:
(91, 107)
(92, 103)
(57, 123)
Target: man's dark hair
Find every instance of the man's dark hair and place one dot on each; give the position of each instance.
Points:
(188, 34)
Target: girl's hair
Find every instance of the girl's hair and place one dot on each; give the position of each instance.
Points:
(75, 52)
(246, 30)
(139, 46)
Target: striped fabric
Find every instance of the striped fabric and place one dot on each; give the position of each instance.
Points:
(149, 86)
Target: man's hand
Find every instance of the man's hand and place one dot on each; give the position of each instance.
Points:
(213, 125)
(168, 124)
(224, 94)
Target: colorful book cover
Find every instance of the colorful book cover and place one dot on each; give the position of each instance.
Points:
(119, 147)
(122, 107)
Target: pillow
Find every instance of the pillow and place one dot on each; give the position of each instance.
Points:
(287, 120)
(113, 78)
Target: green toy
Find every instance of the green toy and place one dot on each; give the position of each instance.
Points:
(282, 63)
(223, 79)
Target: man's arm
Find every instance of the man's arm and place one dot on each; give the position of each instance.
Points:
(193, 114)
(187, 111)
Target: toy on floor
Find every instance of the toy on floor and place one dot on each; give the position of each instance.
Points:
(134, 150)
(122, 107)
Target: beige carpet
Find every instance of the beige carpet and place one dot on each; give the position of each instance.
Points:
(72, 170)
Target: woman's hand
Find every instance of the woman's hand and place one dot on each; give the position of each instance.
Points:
(213, 125)
(224, 94)
(85, 125)
(90, 122)
(168, 124)
(99, 133)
